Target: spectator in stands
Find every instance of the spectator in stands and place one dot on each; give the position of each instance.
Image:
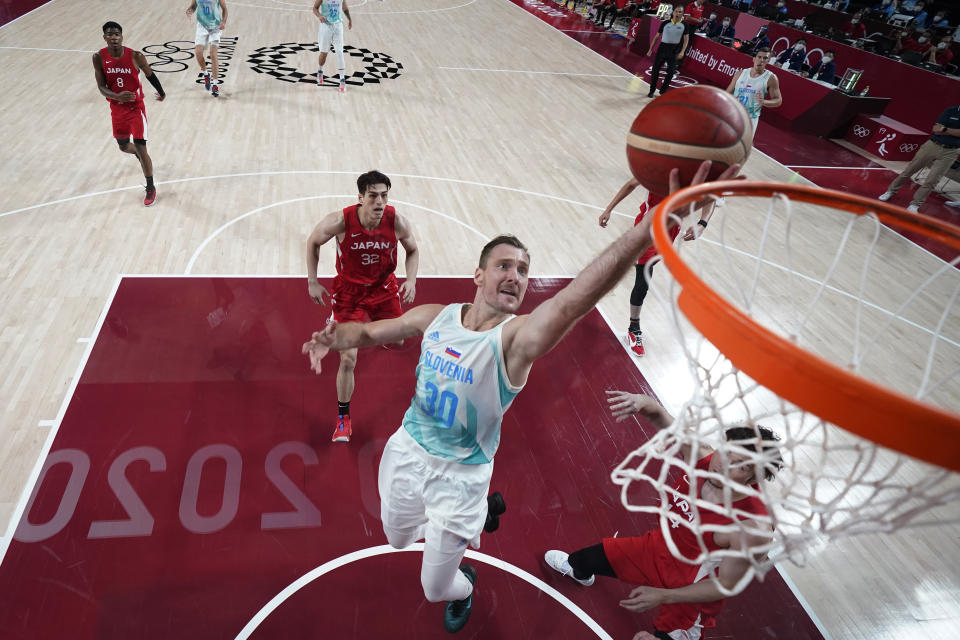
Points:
(629, 10)
(854, 28)
(825, 70)
(941, 54)
(601, 9)
(907, 41)
(919, 15)
(760, 41)
(727, 29)
(694, 11)
(710, 27)
(782, 14)
(885, 8)
(792, 58)
(939, 20)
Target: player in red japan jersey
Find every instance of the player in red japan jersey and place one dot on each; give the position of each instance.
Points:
(117, 70)
(364, 288)
(640, 284)
(688, 602)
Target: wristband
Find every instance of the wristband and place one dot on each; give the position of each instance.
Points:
(155, 81)
(702, 223)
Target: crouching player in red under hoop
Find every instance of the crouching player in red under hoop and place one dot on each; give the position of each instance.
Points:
(688, 602)
(117, 70)
(365, 287)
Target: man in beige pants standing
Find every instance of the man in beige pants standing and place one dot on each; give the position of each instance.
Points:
(938, 153)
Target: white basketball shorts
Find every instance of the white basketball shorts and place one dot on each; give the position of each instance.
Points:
(206, 36)
(330, 34)
(417, 489)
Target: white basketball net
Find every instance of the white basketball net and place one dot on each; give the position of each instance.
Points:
(849, 298)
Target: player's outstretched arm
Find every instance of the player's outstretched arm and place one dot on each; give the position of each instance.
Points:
(352, 335)
(625, 190)
(411, 263)
(528, 337)
(332, 225)
(141, 61)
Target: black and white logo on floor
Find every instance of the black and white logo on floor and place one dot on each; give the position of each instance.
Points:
(276, 60)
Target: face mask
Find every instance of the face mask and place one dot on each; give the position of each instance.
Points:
(886, 2)
(937, 18)
(726, 23)
(799, 47)
(942, 45)
(855, 20)
(922, 39)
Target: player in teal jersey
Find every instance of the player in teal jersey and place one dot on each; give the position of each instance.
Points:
(436, 468)
(330, 13)
(211, 21)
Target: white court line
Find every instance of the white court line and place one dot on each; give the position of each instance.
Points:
(208, 239)
(45, 450)
(800, 166)
(459, 6)
(306, 172)
(37, 49)
(46, 423)
(83, 339)
(549, 73)
(336, 563)
(48, 2)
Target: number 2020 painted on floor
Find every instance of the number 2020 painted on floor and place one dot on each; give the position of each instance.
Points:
(139, 521)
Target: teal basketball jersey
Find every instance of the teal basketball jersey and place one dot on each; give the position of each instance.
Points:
(462, 390)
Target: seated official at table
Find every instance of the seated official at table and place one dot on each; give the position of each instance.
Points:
(710, 27)
(760, 41)
(825, 70)
(726, 29)
(940, 54)
(792, 59)
(854, 29)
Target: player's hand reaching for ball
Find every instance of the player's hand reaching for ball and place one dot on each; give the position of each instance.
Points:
(408, 291)
(732, 173)
(317, 292)
(624, 404)
(319, 345)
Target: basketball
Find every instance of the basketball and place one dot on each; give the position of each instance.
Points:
(684, 127)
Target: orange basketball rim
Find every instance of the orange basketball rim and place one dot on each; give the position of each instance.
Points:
(836, 395)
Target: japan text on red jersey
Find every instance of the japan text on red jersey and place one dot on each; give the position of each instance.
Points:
(367, 257)
(122, 75)
(680, 507)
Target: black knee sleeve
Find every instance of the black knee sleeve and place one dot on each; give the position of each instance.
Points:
(591, 561)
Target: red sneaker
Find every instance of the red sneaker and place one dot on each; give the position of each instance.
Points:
(343, 431)
(635, 343)
(151, 197)
(215, 91)
(343, 86)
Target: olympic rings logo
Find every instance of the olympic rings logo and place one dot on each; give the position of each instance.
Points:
(860, 131)
(906, 148)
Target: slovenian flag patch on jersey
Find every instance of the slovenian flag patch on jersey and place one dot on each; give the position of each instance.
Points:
(451, 352)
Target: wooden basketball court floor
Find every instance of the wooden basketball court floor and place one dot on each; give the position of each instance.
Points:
(495, 122)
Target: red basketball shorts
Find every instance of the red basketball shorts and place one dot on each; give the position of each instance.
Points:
(645, 560)
(129, 122)
(357, 303)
